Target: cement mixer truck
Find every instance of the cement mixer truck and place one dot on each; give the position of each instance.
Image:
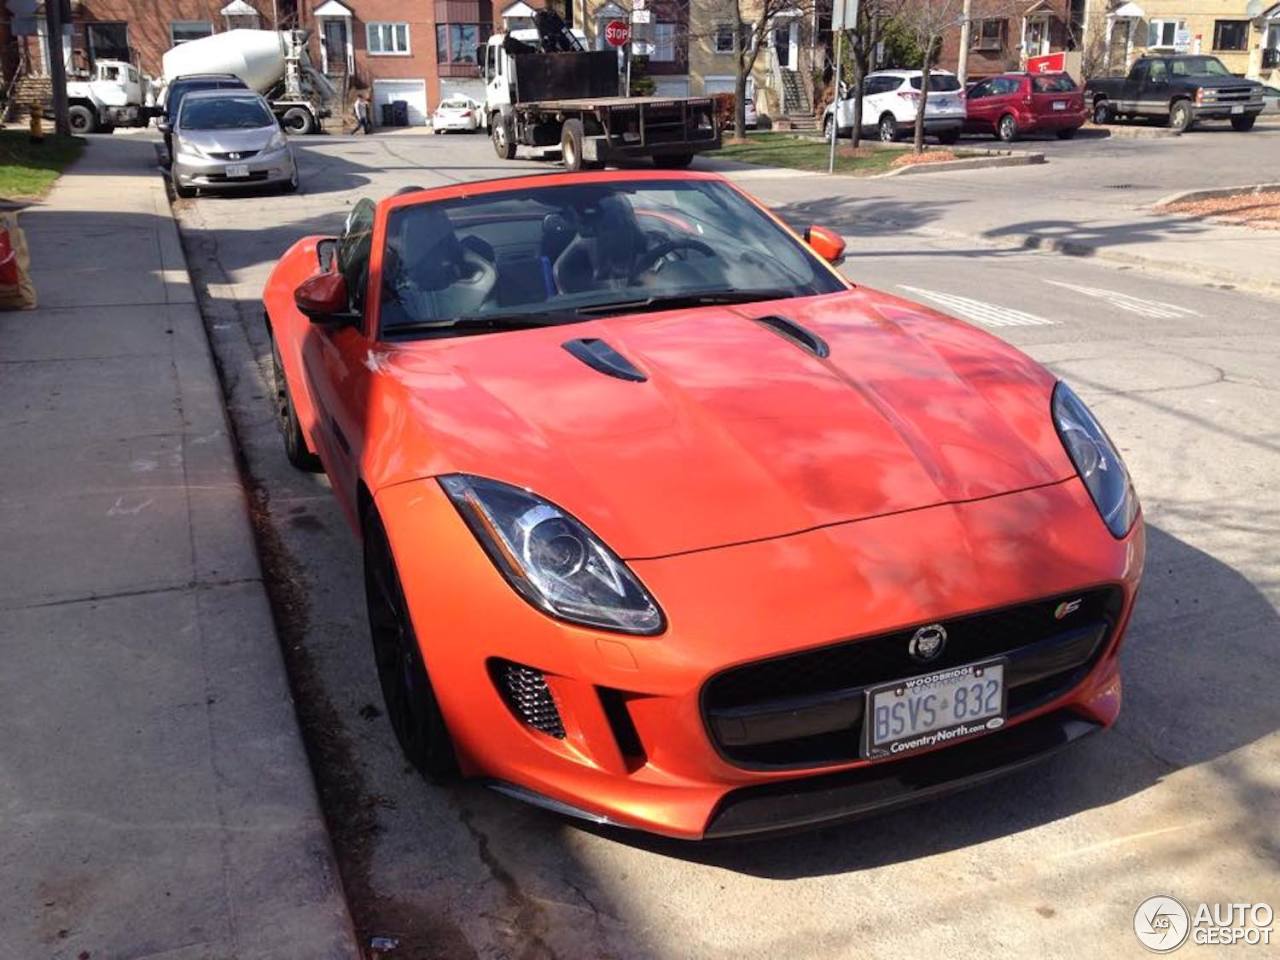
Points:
(275, 64)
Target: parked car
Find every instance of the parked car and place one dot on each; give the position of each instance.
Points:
(227, 139)
(180, 87)
(457, 113)
(683, 532)
(1180, 90)
(889, 103)
(1016, 103)
(1270, 100)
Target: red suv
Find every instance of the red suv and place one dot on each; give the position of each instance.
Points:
(1017, 103)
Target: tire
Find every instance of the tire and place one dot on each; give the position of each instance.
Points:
(298, 121)
(184, 193)
(1243, 124)
(503, 137)
(673, 161)
(571, 145)
(888, 128)
(407, 693)
(291, 185)
(949, 137)
(295, 443)
(1007, 128)
(1181, 116)
(1102, 114)
(827, 123)
(1067, 133)
(82, 119)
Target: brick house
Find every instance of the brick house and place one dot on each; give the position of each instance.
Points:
(1004, 33)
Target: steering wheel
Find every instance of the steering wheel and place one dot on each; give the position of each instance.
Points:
(649, 258)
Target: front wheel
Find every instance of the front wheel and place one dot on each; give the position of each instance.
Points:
(295, 444)
(1243, 123)
(184, 193)
(406, 686)
(827, 123)
(1181, 117)
(504, 141)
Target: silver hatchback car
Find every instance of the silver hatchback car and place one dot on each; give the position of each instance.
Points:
(226, 139)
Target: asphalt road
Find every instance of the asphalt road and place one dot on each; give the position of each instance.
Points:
(1182, 797)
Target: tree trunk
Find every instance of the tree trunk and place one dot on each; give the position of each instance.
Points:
(740, 105)
(918, 144)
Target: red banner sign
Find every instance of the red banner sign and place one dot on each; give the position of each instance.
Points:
(1049, 63)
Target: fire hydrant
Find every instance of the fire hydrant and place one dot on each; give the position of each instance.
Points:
(36, 126)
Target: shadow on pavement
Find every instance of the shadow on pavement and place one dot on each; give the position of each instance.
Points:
(1084, 238)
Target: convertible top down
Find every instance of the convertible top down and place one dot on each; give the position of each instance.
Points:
(667, 524)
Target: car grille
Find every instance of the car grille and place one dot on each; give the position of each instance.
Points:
(223, 178)
(236, 155)
(1230, 94)
(805, 709)
(527, 694)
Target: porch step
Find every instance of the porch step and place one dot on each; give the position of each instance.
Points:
(28, 92)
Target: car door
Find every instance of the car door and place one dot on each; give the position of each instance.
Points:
(977, 112)
(1154, 94)
(334, 361)
(877, 100)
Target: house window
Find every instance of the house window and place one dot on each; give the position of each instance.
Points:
(664, 42)
(988, 34)
(1164, 33)
(108, 41)
(1231, 34)
(459, 42)
(183, 31)
(724, 38)
(388, 39)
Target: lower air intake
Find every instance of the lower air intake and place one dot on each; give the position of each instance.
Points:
(527, 694)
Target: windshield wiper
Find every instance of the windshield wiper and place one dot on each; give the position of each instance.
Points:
(487, 321)
(676, 301)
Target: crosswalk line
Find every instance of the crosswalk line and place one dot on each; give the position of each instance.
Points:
(976, 311)
(1153, 309)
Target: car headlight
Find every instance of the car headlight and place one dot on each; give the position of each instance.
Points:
(278, 141)
(189, 148)
(551, 559)
(1096, 460)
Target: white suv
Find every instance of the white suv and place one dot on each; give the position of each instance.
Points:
(890, 99)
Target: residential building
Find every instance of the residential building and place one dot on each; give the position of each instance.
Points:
(1004, 33)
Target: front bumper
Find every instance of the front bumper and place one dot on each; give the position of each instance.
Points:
(208, 173)
(1225, 111)
(637, 748)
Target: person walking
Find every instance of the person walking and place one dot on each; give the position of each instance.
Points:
(363, 122)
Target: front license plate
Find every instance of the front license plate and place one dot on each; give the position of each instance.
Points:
(1059, 104)
(915, 713)
(237, 171)
(1238, 108)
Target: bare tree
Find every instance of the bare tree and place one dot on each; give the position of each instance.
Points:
(926, 21)
(862, 40)
(752, 21)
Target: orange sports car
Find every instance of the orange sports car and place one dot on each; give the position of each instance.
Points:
(667, 524)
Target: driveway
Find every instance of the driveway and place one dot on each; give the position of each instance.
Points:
(1182, 797)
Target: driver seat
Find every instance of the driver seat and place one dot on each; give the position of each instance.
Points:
(605, 250)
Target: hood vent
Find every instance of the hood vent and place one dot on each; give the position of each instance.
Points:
(598, 355)
(802, 338)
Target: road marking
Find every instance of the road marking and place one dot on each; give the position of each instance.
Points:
(975, 311)
(1154, 309)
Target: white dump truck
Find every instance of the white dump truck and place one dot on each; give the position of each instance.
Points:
(275, 64)
(113, 95)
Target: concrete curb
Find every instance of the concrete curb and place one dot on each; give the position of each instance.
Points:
(1016, 159)
(1121, 131)
(1191, 195)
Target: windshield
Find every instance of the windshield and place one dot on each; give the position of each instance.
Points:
(1198, 67)
(225, 113)
(1053, 84)
(941, 82)
(566, 253)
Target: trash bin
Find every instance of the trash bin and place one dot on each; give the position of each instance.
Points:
(388, 115)
(400, 113)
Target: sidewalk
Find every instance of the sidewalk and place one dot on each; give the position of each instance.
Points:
(155, 794)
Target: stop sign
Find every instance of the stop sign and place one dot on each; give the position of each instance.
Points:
(617, 33)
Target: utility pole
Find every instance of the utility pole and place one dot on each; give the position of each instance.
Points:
(57, 67)
(835, 103)
(962, 66)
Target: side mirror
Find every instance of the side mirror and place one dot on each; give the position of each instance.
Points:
(827, 244)
(323, 298)
(165, 127)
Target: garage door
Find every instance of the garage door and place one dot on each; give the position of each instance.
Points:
(670, 86)
(712, 85)
(413, 92)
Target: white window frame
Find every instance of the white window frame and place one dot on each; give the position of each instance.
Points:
(1157, 27)
(979, 39)
(659, 42)
(391, 28)
(173, 39)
